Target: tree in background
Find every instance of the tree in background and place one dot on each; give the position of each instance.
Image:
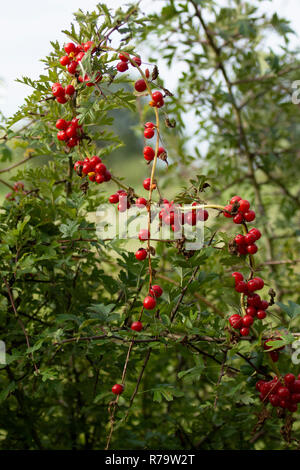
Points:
(78, 313)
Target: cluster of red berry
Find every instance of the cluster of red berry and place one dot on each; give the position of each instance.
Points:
(93, 168)
(246, 243)
(281, 393)
(122, 66)
(239, 210)
(256, 307)
(69, 131)
(121, 198)
(171, 215)
(75, 53)
(62, 94)
(18, 187)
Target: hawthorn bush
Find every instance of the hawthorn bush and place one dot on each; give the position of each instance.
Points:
(144, 343)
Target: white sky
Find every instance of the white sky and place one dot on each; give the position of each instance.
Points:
(28, 26)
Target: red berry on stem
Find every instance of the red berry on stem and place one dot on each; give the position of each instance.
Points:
(114, 199)
(261, 314)
(148, 133)
(64, 60)
(144, 234)
(149, 153)
(157, 290)
(137, 60)
(244, 331)
(124, 56)
(236, 321)
(122, 66)
(141, 201)
(249, 216)
(239, 239)
(140, 86)
(61, 124)
(70, 90)
(136, 326)
(141, 254)
(238, 219)
(157, 96)
(117, 389)
(235, 199)
(248, 320)
(71, 68)
(252, 249)
(227, 211)
(149, 302)
(70, 47)
(61, 135)
(244, 206)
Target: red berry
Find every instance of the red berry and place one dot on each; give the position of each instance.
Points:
(107, 176)
(239, 239)
(236, 321)
(264, 305)
(244, 206)
(253, 285)
(157, 290)
(241, 287)
(249, 238)
(137, 60)
(114, 199)
(71, 131)
(238, 276)
(70, 90)
(148, 133)
(100, 179)
(70, 47)
(284, 393)
(244, 331)
(251, 311)
(58, 91)
(227, 211)
(261, 314)
(259, 282)
(247, 320)
(141, 254)
(117, 389)
(242, 249)
(274, 356)
(256, 233)
(71, 68)
(235, 199)
(61, 135)
(141, 201)
(253, 300)
(124, 56)
(61, 99)
(100, 168)
(146, 184)
(64, 60)
(136, 326)
(252, 249)
(87, 45)
(149, 153)
(95, 160)
(149, 125)
(249, 216)
(274, 400)
(144, 234)
(149, 302)
(61, 124)
(157, 96)
(140, 85)
(122, 66)
(72, 142)
(289, 379)
(238, 219)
